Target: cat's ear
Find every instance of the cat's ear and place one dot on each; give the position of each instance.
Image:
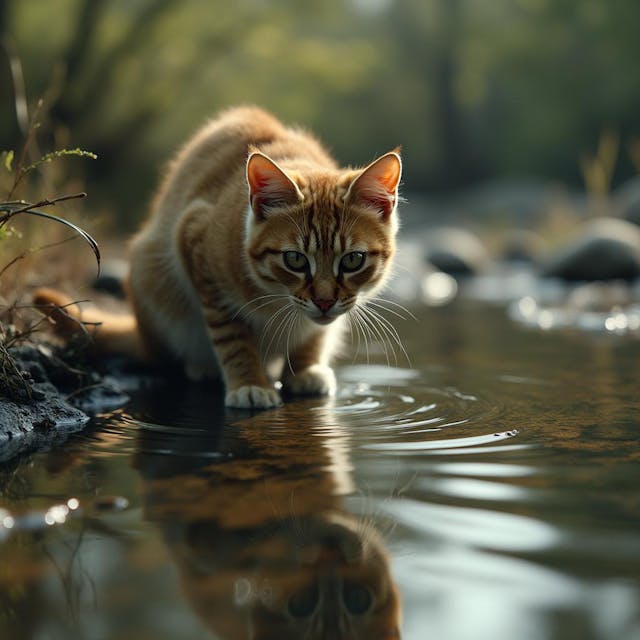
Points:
(377, 185)
(269, 186)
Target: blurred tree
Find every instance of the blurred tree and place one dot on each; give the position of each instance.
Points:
(471, 89)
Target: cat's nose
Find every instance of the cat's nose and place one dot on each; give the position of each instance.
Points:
(324, 305)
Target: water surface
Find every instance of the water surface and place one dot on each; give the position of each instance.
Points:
(493, 478)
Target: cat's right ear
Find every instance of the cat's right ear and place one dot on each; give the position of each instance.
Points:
(269, 186)
(377, 185)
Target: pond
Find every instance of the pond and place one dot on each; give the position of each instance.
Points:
(488, 484)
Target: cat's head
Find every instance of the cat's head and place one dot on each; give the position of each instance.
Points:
(323, 238)
(341, 587)
(318, 577)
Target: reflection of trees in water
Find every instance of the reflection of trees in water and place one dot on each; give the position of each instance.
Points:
(263, 544)
(39, 558)
(56, 551)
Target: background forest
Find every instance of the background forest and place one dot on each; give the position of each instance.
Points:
(473, 90)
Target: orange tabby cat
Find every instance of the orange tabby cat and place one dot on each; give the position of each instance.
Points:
(257, 247)
(262, 538)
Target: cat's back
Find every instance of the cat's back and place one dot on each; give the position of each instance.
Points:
(214, 160)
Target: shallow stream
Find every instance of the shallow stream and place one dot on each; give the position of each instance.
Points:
(494, 477)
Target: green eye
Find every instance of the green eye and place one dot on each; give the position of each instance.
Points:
(295, 261)
(352, 261)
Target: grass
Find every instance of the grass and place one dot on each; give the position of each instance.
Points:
(20, 174)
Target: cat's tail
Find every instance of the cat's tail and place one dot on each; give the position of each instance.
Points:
(111, 333)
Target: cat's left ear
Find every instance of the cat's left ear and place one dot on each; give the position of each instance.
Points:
(377, 184)
(269, 186)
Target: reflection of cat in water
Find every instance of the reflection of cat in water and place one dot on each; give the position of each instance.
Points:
(263, 545)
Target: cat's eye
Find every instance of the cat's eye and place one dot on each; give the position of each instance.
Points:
(303, 603)
(295, 261)
(352, 261)
(357, 598)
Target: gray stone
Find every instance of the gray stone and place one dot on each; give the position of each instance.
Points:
(47, 413)
(457, 252)
(606, 249)
(113, 274)
(522, 246)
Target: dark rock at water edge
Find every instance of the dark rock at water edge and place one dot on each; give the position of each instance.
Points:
(521, 246)
(50, 412)
(457, 252)
(606, 249)
(113, 274)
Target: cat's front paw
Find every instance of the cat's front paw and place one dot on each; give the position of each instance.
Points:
(316, 380)
(252, 397)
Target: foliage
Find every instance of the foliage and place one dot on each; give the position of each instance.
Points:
(471, 89)
(13, 383)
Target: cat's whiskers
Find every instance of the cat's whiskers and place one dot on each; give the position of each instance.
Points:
(292, 329)
(382, 336)
(275, 317)
(249, 312)
(387, 325)
(367, 334)
(284, 321)
(399, 309)
(353, 336)
(378, 326)
(355, 330)
(389, 330)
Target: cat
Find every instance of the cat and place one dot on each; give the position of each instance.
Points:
(257, 249)
(261, 535)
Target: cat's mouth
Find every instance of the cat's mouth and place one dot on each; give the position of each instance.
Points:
(323, 319)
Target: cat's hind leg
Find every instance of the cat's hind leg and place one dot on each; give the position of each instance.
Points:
(111, 333)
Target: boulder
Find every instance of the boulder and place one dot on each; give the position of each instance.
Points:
(43, 401)
(113, 274)
(606, 249)
(457, 252)
(522, 246)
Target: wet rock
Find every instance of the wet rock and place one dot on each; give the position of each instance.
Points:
(457, 252)
(39, 420)
(522, 246)
(113, 274)
(606, 249)
(36, 413)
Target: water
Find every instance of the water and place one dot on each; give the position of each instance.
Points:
(494, 478)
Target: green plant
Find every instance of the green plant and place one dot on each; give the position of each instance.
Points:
(13, 383)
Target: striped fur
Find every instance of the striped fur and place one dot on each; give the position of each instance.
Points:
(210, 284)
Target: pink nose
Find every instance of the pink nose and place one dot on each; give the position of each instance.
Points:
(324, 305)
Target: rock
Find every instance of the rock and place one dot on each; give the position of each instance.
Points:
(457, 252)
(113, 274)
(522, 246)
(42, 413)
(606, 249)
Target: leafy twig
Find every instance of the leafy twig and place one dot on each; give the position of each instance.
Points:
(59, 153)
